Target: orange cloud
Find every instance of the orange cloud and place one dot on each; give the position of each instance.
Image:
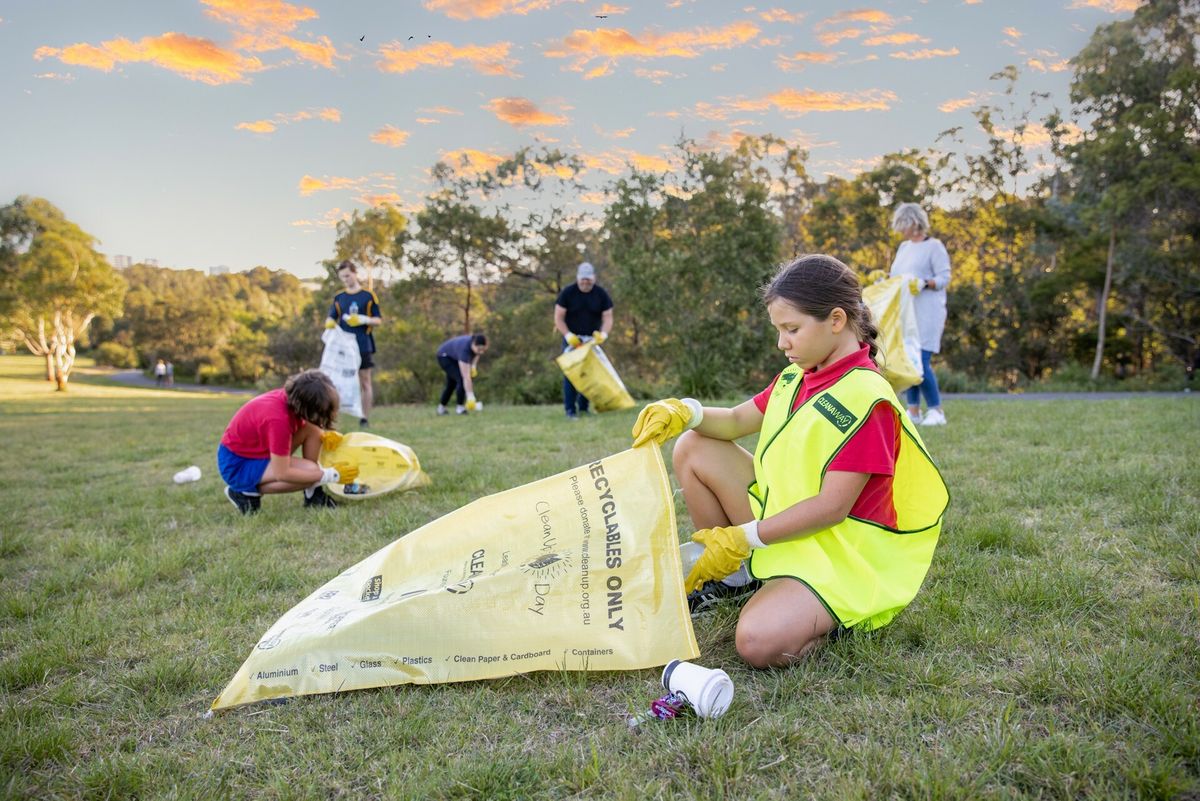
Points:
(797, 61)
(486, 9)
(1012, 32)
(954, 104)
(268, 126)
(369, 199)
(329, 219)
(471, 162)
(623, 133)
(263, 26)
(655, 76)
(1051, 66)
(793, 103)
(258, 126)
(894, 39)
(619, 160)
(485, 59)
(876, 21)
(390, 135)
(258, 15)
(309, 185)
(612, 44)
(780, 15)
(920, 55)
(611, 11)
(520, 112)
(1035, 135)
(1111, 6)
(193, 58)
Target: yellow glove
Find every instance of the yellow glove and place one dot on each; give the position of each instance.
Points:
(474, 372)
(724, 550)
(665, 419)
(331, 440)
(574, 341)
(355, 319)
(599, 337)
(471, 402)
(330, 323)
(914, 286)
(347, 472)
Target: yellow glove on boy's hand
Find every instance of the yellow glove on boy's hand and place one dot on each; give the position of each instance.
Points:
(330, 323)
(474, 372)
(573, 340)
(347, 472)
(599, 337)
(664, 419)
(355, 319)
(724, 550)
(330, 440)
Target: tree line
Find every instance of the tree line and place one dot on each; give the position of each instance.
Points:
(1073, 238)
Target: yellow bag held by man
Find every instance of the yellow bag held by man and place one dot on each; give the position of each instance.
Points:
(891, 305)
(383, 465)
(590, 371)
(579, 571)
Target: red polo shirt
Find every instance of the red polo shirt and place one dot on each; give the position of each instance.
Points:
(872, 449)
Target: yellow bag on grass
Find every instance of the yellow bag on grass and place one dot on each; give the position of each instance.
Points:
(899, 340)
(590, 371)
(383, 465)
(579, 571)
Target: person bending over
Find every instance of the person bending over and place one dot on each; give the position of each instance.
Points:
(255, 456)
(459, 359)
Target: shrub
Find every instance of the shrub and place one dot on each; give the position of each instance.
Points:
(114, 354)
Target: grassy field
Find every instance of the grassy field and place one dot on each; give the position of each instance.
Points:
(1053, 653)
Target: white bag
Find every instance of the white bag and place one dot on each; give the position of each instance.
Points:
(340, 362)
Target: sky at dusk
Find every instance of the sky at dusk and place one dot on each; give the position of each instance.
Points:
(238, 132)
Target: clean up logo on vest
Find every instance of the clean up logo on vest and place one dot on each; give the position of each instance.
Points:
(835, 412)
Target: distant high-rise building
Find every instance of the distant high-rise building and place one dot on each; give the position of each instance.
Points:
(122, 262)
(150, 262)
(220, 269)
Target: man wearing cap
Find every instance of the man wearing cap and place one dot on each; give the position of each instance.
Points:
(582, 313)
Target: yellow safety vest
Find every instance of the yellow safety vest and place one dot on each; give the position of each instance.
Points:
(863, 572)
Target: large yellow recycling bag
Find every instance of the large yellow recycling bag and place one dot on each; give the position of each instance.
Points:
(579, 571)
(593, 374)
(383, 465)
(900, 341)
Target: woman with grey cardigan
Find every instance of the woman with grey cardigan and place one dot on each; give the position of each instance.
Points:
(923, 258)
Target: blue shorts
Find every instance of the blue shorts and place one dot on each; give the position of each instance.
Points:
(240, 473)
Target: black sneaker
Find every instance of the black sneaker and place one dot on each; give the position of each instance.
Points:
(362, 423)
(246, 504)
(320, 500)
(718, 592)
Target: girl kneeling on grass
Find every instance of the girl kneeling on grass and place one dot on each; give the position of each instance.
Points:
(843, 506)
(255, 454)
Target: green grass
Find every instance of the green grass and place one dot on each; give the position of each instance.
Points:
(1054, 651)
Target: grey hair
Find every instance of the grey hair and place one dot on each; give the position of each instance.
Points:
(909, 215)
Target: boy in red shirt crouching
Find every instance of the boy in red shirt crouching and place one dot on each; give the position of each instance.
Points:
(255, 454)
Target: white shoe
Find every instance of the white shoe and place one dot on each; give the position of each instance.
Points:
(441, 409)
(934, 417)
(460, 409)
(915, 417)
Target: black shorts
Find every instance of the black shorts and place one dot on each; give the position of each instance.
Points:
(368, 361)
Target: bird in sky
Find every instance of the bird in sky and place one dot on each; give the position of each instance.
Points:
(364, 36)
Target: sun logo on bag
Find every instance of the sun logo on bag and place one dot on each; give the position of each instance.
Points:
(549, 565)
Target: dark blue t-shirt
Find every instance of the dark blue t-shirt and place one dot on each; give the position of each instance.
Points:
(457, 348)
(361, 302)
(585, 310)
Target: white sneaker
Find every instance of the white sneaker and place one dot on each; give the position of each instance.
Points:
(915, 417)
(934, 417)
(441, 409)
(460, 409)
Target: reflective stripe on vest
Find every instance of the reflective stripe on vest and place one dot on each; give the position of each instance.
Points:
(863, 572)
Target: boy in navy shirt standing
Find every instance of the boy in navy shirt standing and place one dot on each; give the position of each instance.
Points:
(357, 311)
